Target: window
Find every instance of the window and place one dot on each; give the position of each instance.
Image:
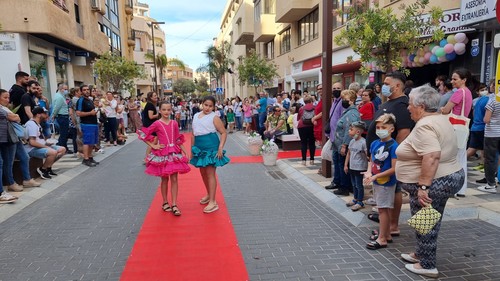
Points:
(112, 11)
(285, 41)
(265, 7)
(77, 13)
(269, 49)
(270, 7)
(344, 6)
(256, 10)
(309, 27)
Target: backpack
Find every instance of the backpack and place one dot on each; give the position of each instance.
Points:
(307, 115)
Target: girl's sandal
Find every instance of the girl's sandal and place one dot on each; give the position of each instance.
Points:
(204, 200)
(175, 210)
(166, 207)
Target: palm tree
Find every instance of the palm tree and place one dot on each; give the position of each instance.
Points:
(219, 62)
(162, 62)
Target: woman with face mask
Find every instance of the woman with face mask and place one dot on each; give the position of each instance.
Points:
(342, 138)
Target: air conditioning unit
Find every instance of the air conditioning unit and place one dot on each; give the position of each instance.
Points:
(95, 5)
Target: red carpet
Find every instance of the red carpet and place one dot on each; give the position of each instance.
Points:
(194, 246)
(258, 159)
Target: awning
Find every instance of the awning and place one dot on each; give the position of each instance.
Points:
(311, 73)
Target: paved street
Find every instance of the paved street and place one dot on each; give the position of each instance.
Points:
(85, 229)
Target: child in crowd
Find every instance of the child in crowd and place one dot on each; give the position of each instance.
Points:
(230, 119)
(207, 150)
(356, 163)
(184, 116)
(168, 156)
(380, 172)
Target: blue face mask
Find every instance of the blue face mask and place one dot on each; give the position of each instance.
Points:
(65, 92)
(386, 91)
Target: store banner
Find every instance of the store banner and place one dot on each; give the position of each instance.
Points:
(449, 23)
(474, 11)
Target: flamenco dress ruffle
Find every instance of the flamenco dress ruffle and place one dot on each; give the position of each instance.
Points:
(204, 152)
(166, 161)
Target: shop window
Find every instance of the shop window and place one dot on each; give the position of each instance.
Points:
(309, 27)
(38, 69)
(285, 41)
(269, 49)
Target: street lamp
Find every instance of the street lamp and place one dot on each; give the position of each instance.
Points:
(155, 84)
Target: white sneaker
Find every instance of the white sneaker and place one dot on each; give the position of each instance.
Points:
(7, 198)
(371, 201)
(488, 188)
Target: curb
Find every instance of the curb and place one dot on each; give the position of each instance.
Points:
(32, 194)
(358, 219)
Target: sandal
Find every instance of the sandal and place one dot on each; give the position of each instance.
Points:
(175, 210)
(311, 162)
(209, 209)
(204, 200)
(375, 246)
(374, 237)
(375, 232)
(373, 217)
(166, 207)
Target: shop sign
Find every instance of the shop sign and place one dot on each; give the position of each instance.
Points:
(487, 65)
(82, 54)
(63, 55)
(7, 45)
(311, 63)
(474, 11)
(297, 68)
(449, 23)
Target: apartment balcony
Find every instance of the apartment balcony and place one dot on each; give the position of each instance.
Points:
(288, 11)
(265, 29)
(244, 24)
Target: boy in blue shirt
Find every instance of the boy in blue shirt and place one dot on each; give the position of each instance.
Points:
(380, 172)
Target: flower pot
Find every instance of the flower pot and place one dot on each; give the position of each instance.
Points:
(270, 158)
(254, 148)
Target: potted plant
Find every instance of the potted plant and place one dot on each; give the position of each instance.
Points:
(269, 151)
(254, 143)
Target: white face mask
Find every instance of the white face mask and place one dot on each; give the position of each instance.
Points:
(382, 134)
(483, 93)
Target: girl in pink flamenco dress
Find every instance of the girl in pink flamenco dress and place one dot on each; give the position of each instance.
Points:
(168, 156)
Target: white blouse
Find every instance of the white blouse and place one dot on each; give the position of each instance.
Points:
(204, 125)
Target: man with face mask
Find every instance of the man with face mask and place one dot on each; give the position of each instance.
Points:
(60, 113)
(335, 113)
(28, 102)
(38, 147)
(397, 104)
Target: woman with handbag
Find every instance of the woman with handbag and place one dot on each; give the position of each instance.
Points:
(428, 170)
(460, 105)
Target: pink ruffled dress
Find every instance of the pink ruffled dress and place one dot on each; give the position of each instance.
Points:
(168, 160)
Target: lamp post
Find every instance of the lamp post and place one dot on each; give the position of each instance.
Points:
(155, 84)
(326, 63)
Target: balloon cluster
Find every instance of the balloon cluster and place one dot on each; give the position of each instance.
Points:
(435, 53)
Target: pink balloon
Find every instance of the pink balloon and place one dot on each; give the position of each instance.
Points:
(459, 48)
(466, 41)
(448, 48)
(421, 60)
(460, 37)
(442, 59)
(427, 55)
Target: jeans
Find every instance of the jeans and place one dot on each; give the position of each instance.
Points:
(357, 185)
(8, 153)
(110, 129)
(491, 148)
(73, 135)
(262, 120)
(63, 121)
(2, 151)
(307, 141)
(183, 124)
(239, 124)
(24, 160)
(340, 178)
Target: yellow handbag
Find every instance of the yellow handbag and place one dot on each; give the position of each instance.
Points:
(424, 220)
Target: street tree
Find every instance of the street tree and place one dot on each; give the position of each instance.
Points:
(116, 72)
(219, 62)
(184, 86)
(201, 85)
(377, 34)
(256, 71)
(163, 63)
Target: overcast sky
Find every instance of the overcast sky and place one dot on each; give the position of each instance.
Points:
(190, 26)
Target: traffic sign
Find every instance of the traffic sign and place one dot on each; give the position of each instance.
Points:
(219, 91)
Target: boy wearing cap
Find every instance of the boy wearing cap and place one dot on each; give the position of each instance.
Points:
(37, 146)
(356, 163)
